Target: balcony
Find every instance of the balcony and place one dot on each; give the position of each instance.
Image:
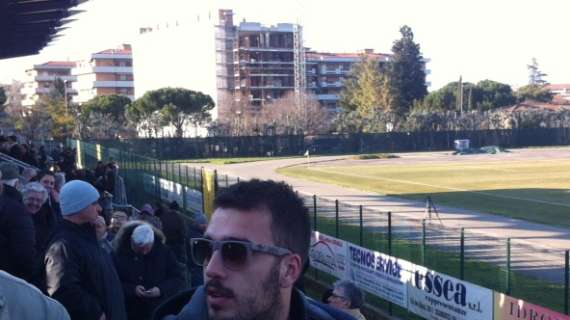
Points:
(54, 77)
(113, 84)
(336, 84)
(111, 56)
(327, 97)
(272, 87)
(271, 75)
(334, 71)
(264, 49)
(265, 62)
(113, 69)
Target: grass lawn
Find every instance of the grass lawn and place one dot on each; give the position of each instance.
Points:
(537, 190)
(230, 160)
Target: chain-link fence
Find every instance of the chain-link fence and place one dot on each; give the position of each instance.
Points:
(515, 267)
(147, 180)
(290, 145)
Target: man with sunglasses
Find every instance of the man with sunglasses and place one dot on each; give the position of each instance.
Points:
(252, 252)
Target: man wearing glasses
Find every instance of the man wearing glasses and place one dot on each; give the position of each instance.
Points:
(252, 253)
(348, 297)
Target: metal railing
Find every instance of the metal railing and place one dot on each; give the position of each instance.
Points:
(20, 164)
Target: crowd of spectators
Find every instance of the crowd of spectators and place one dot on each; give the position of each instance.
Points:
(67, 242)
(58, 237)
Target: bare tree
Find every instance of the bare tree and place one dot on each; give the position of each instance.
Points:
(34, 123)
(237, 117)
(288, 116)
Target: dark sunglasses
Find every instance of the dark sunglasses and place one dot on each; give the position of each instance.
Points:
(235, 254)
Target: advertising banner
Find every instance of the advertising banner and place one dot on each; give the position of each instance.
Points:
(172, 191)
(328, 254)
(382, 275)
(509, 308)
(436, 296)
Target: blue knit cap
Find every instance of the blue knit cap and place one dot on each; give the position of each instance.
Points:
(75, 196)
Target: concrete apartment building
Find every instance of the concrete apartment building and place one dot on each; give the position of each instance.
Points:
(326, 73)
(257, 63)
(41, 77)
(262, 63)
(105, 73)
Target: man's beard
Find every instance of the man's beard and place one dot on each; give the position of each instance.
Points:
(263, 307)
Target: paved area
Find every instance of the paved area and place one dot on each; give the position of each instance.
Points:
(537, 248)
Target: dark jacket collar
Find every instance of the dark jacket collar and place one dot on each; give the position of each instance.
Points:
(85, 230)
(302, 308)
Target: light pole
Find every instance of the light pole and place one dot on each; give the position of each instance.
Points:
(65, 93)
(79, 125)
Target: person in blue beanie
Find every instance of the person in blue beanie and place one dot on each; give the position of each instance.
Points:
(79, 273)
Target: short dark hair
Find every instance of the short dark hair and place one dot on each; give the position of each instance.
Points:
(351, 292)
(290, 224)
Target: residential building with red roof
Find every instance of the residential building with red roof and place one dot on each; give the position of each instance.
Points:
(561, 91)
(105, 73)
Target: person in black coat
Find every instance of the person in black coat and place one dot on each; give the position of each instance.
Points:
(11, 181)
(147, 268)
(17, 240)
(174, 229)
(79, 273)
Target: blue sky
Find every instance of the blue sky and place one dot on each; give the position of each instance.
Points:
(485, 39)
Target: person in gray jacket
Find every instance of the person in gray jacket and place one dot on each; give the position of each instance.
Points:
(21, 300)
(252, 252)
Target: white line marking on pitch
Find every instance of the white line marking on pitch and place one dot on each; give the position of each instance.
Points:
(446, 188)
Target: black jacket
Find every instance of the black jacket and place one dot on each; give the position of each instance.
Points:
(174, 228)
(158, 268)
(46, 221)
(13, 193)
(17, 240)
(81, 275)
(192, 305)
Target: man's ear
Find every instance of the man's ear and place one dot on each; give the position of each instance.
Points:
(290, 270)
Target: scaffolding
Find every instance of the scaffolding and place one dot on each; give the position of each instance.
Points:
(225, 38)
(299, 65)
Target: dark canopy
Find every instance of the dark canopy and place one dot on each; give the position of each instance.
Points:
(26, 26)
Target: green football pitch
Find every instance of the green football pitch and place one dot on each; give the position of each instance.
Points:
(535, 190)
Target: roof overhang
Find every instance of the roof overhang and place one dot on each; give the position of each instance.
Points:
(27, 26)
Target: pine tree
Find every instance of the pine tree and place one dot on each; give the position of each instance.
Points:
(407, 72)
(535, 77)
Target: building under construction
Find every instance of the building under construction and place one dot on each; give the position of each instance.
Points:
(257, 63)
